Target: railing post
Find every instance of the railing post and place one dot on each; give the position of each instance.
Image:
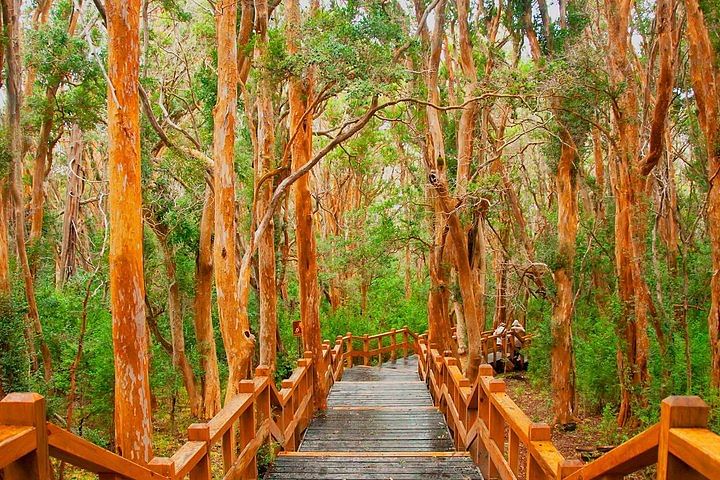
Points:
(288, 413)
(262, 399)
(393, 346)
(496, 425)
(539, 432)
(162, 465)
(246, 425)
(200, 432)
(336, 371)
(366, 349)
(349, 350)
(568, 467)
(678, 412)
(27, 409)
(405, 342)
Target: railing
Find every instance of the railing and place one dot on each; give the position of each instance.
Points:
(380, 347)
(488, 424)
(257, 415)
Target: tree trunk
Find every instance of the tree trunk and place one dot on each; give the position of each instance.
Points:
(301, 152)
(4, 239)
(562, 356)
(263, 167)
(43, 156)
(177, 333)
(473, 317)
(133, 425)
(11, 13)
(75, 187)
(706, 85)
(235, 327)
(203, 311)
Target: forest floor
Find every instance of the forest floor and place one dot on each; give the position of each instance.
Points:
(590, 436)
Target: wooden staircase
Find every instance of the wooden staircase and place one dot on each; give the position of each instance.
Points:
(380, 424)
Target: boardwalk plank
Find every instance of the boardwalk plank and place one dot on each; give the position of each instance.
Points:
(380, 424)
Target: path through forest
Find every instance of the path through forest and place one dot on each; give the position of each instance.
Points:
(380, 423)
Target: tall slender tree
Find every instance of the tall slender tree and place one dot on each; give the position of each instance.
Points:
(133, 427)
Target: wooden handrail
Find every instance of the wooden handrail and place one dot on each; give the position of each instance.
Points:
(486, 422)
(257, 414)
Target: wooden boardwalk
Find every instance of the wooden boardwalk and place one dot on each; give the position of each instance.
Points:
(380, 424)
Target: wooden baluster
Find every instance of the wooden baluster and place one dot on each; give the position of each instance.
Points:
(678, 412)
(393, 346)
(246, 426)
(27, 409)
(366, 349)
(288, 414)
(514, 451)
(539, 432)
(228, 448)
(349, 350)
(163, 465)
(309, 386)
(338, 358)
(421, 360)
(496, 425)
(405, 343)
(200, 432)
(263, 410)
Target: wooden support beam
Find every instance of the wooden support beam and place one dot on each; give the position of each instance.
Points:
(200, 432)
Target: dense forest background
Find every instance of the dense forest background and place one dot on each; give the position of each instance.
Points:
(475, 163)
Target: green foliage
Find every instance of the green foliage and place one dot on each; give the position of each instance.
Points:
(13, 349)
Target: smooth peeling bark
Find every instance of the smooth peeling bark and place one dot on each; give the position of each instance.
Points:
(133, 426)
(563, 371)
(301, 153)
(75, 187)
(438, 298)
(466, 128)
(204, 333)
(705, 78)
(458, 239)
(263, 167)
(234, 324)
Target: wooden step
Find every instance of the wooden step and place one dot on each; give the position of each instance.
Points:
(372, 466)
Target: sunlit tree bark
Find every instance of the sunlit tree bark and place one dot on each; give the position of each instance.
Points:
(234, 324)
(301, 120)
(263, 168)
(133, 426)
(203, 311)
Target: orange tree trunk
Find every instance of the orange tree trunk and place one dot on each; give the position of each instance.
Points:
(203, 311)
(239, 342)
(563, 371)
(706, 85)
(133, 427)
(301, 152)
(263, 166)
